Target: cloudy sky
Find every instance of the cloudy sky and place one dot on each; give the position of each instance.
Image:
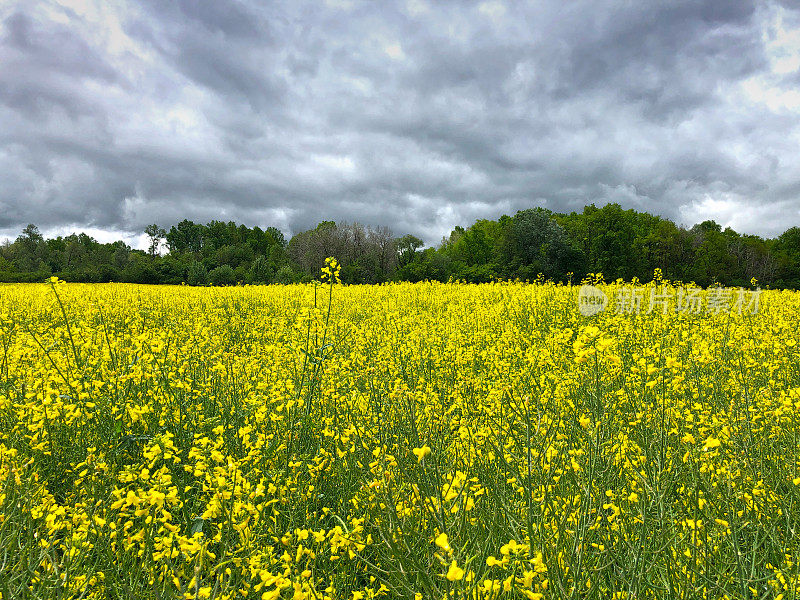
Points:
(417, 114)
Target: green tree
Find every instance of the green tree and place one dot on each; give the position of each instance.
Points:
(535, 244)
(223, 275)
(285, 275)
(186, 236)
(140, 269)
(787, 251)
(712, 262)
(407, 247)
(156, 234)
(197, 274)
(260, 271)
(30, 250)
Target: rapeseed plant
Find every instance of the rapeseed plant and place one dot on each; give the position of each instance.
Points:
(396, 441)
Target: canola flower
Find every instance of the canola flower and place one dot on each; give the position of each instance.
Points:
(396, 441)
(421, 453)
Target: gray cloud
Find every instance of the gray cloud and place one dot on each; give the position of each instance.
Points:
(420, 115)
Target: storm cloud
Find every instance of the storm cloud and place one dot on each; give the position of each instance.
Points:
(417, 114)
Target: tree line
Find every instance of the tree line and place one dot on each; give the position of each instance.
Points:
(533, 243)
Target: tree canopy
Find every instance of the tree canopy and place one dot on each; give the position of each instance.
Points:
(533, 243)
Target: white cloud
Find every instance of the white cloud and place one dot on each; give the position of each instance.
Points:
(740, 214)
(417, 8)
(757, 90)
(782, 43)
(394, 51)
(494, 9)
(341, 4)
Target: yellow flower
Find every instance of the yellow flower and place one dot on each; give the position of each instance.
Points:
(422, 452)
(442, 542)
(454, 573)
(711, 442)
(331, 270)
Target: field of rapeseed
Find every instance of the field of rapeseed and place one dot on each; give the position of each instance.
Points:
(408, 441)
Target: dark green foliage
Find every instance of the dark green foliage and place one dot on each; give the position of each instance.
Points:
(197, 274)
(285, 275)
(261, 271)
(787, 256)
(530, 244)
(186, 236)
(141, 269)
(534, 243)
(407, 247)
(223, 275)
(171, 270)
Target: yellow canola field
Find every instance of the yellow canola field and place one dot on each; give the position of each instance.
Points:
(417, 441)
